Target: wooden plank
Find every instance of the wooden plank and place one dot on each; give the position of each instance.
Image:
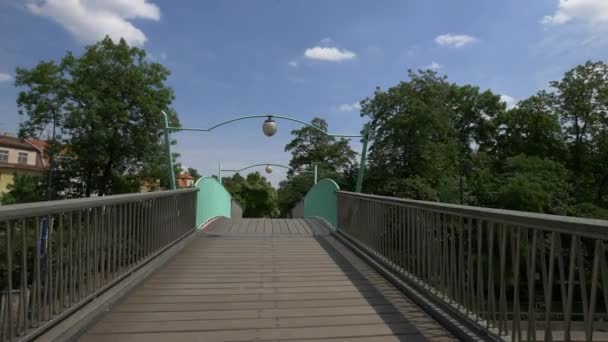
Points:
(264, 280)
(248, 323)
(149, 299)
(261, 334)
(247, 313)
(175, 307)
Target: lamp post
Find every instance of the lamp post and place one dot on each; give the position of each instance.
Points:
(269, 128)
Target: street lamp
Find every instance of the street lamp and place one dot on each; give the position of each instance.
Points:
(268, 169)
(269, 127)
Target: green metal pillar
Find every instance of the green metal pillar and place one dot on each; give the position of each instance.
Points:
(362, 163)
(316, 177)
(168, 146)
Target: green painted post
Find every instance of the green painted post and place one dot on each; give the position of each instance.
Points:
(362, 163)
(213, 200)
(320, 201)
(168, 146)
(316, 174)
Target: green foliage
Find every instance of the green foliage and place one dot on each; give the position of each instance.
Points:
(107, 105)
(424, 129)
(533, 184)
(292, 191)
(334, 159)
(254, 193)
(435, 140)
(194, 173)
(24, 189)
(310, 146)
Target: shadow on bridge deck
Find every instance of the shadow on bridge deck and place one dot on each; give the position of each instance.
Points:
(266, 280)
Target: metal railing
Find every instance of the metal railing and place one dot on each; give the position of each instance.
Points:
(57, 256)
(516, 276)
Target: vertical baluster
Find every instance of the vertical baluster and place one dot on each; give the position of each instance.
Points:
(23, 299)
(491, 308)
(70, 265)
(502, 326)
(9, 280)
(36, 309)
(549, 290)
(531, 336)
(61, 264)
(480, 298)
(570, 298)
(515, 247)
(592, 300)
(81, 257)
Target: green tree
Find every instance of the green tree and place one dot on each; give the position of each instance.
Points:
(291, 191)
(333, 157)
(426, 129)
(107, 105)
(532, 128)
(582, 104)
(311, 147)
(24, 189)
(533, 184)
(254, 193)
(194, 173)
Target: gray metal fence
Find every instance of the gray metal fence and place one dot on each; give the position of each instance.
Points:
(516, 275)
(298, 210)
(57, 256)
(235, 209)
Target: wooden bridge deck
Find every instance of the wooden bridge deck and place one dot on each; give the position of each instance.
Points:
(266, 280)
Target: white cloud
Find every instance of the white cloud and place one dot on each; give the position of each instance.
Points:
(90, 20)
(433, 66)
(330, 54)
(455, 40)
(293, 64)
(510, 101)
(593, 13)
(5, 77)
(349, 107)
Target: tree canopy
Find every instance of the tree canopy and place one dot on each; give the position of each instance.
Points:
(439, 141)
(106, 105)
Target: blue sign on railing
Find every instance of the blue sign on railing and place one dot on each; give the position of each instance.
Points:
(44, 235)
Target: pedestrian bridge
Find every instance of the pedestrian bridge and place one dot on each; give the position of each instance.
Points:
(183, 266)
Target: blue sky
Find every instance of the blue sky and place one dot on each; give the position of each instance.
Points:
(304, 58)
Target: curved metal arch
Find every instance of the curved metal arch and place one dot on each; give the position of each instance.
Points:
(263, 116)
(271, 164)
(167, 128)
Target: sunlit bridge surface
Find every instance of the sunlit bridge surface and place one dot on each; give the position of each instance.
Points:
(266, 280)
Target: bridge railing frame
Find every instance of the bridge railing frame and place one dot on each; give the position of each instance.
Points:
(59, 255)
(515, 275)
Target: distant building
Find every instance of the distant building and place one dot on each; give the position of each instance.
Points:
(20, 156)
(185, 180)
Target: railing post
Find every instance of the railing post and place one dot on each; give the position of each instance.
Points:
(362, 163)
(168, 147)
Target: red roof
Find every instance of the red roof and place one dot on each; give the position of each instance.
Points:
(14, 142)
(185, 175)
(41, 144)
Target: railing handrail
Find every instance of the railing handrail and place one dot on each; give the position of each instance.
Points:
(584, 227)
(14, 211)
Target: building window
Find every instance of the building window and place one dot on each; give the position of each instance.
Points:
(3, 156)
(22, 158)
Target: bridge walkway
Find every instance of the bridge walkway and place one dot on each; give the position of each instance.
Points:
(266, 280)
